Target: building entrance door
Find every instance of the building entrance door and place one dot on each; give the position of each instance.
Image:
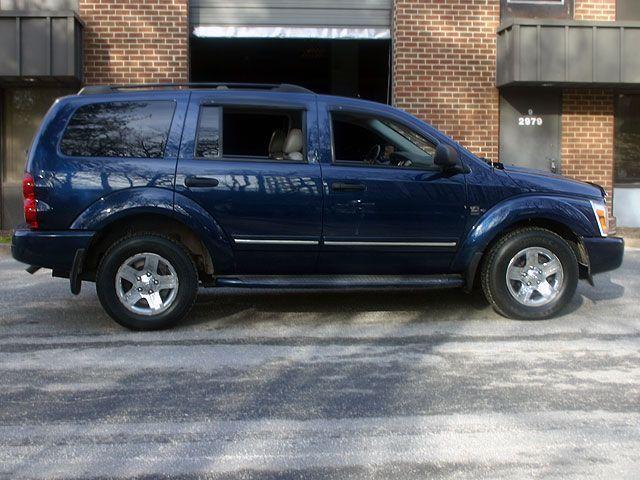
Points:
(530, 128)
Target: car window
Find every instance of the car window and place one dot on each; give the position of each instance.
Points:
(208, 136)
(274, 134)
(119, 129)
(368, 140)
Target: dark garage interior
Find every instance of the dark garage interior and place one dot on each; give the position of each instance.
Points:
(353, 68)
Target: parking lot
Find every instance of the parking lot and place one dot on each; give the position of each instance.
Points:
(299, 384)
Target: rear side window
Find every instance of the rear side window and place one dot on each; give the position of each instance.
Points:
(250, 133)
(119, 129)
(208, 142)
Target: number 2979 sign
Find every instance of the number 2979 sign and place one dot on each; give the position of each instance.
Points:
(530, 121)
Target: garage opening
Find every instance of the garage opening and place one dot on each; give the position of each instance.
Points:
(353, 68)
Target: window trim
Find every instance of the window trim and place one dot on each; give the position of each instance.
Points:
(173, 101)
(354, 163)
(222, 157)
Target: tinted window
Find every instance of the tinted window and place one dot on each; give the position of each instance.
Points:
(361, 139)
(208, 138)
(627, 139)
(119, 129)
(262, 133)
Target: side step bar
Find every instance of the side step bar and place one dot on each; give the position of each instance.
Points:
(343, 281)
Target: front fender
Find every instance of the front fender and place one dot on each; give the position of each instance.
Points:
(574, 213)
(149, 200)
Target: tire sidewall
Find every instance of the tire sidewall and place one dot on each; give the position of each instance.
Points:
(179, 259)
(505, 302)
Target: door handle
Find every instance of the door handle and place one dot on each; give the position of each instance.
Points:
(348, 187)
(200, 182)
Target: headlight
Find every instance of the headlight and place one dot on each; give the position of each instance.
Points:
(602, 216)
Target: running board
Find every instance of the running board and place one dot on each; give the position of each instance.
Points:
(343, 281)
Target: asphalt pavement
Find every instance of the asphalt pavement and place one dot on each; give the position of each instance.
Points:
(298, 384)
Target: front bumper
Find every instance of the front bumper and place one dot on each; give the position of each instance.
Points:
(49, 249)
(605, 253)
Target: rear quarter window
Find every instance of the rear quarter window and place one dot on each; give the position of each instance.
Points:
(119, 129)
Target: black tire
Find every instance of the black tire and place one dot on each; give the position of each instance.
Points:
(494, 272)
(168, 249)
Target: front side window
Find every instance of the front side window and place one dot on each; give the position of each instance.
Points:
(119, 129)
(366, 140)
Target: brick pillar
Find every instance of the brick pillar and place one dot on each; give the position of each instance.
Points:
(135, 41)
(588, 117)
(444, 55)
(587, 136)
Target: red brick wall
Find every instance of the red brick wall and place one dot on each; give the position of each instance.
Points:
(587, 136)
(596, 10)
(135, 41)
(444, 67)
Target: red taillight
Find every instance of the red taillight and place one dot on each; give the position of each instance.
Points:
(30, 204)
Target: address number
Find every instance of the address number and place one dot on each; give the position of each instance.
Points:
(530, 121)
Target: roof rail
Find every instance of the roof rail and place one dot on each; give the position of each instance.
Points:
(280, 87)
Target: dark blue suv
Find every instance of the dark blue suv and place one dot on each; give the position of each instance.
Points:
(152, 191)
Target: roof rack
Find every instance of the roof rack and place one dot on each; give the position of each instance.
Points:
(279, 87)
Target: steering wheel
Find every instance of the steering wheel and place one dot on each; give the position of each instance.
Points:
(373, 154)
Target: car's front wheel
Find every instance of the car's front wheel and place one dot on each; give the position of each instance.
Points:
(531, 274)
(147, 282)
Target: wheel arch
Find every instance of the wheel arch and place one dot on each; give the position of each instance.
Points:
(151, 223)
(564, 218)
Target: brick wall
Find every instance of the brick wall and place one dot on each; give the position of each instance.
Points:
(587, 136)
(596, 10)
(444, 67)
(134, 41)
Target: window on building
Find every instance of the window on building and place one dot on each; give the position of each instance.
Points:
(208, 137)
(536, 9)
(263, 133)
(119, 129)
(365, 140)
(627, 10)
(627, 140)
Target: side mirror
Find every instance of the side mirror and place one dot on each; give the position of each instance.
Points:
(446, 156)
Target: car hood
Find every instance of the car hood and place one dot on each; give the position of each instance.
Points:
(545, 182)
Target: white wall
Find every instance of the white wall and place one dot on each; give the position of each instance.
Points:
(626, 207)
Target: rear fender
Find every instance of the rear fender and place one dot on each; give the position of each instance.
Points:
(140, 201)
(574, 213)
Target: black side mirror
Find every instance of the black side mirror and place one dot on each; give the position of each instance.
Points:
(446, 156)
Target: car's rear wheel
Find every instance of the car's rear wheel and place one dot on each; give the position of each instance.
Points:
(531, 274)
(147, 282)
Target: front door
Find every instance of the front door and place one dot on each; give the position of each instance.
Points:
(388, 208)
(246, 162)
(530, 128)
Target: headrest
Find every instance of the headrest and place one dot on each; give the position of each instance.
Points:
(277, 141)
(293, 142)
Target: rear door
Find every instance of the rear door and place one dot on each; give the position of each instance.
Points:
(265, 195)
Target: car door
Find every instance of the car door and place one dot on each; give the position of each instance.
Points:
(399, 215)
(269, 204)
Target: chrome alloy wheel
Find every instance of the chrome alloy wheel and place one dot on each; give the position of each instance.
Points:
(535, 276)
(146, 284)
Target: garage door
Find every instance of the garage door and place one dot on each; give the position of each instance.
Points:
(358, 19)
